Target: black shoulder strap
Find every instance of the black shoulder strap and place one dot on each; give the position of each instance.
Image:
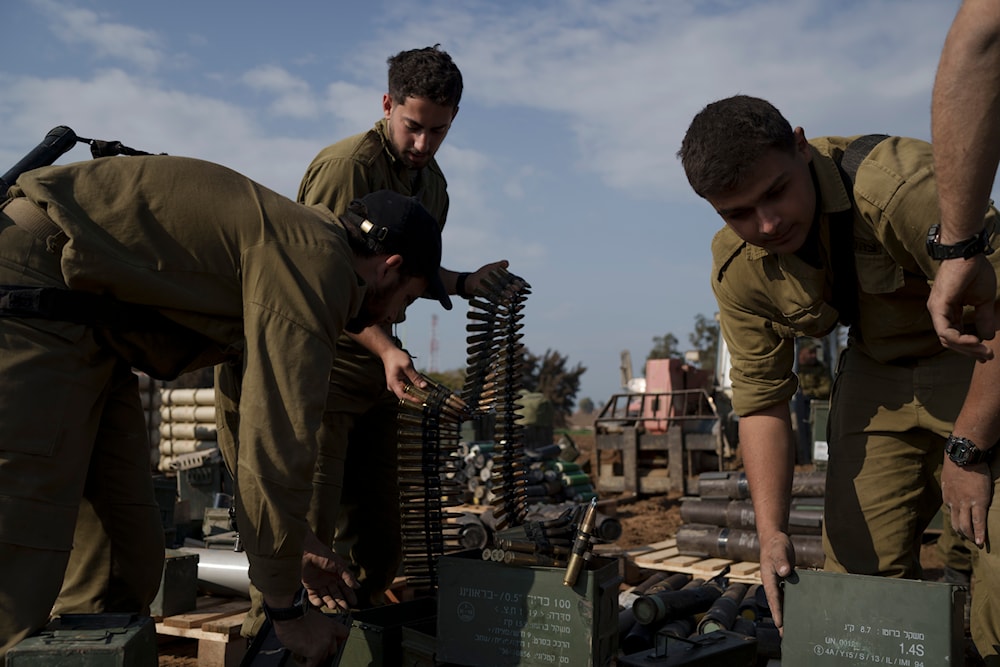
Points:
(857, 151)
(845, 278)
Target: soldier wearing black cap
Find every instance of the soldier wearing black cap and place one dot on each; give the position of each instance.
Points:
(170, 264)
(356, 499)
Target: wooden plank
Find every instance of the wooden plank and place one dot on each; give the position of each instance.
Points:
(219, 654)
(657, 556)
(745, 572)
(710, 567)
(649, 548)
(664, 556)
(226, 625)
(197, 618)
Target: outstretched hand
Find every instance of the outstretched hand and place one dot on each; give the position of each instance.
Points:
(312, 639)
(474, 280)
(399, 372)
(967, 493)
(326, 577)
(959, 283)
(777, 562)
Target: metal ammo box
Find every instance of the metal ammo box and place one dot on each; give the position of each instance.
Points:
(178, 584)
(89, 640)
(492, 614)
(376, 637)
(833, 620)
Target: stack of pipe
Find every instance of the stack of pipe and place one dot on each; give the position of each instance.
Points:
(429, 423)
(187, 426)
(720, 522)
(149, 394)
(493, 382)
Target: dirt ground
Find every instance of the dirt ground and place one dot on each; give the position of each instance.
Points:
(645, 520)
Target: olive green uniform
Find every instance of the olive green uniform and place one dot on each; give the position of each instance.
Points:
(897, 392)
(244, 271)
(359, 513)
(361, 410)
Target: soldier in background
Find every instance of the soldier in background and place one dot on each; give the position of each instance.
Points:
(357, 511)
(814, 383)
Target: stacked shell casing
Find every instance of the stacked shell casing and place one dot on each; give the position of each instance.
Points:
(428, 438)
(493, 382)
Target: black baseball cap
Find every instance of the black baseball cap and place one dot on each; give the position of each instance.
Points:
(399, 225)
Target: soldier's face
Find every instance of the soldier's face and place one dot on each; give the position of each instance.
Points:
(775, 206)
(417, 127)
(385, 303)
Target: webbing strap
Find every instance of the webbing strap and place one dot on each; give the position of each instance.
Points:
(30, 217)
(845, 275)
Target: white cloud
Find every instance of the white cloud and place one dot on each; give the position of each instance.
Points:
(293, 97)
(106, 40)
(628, 76)
(354, 107)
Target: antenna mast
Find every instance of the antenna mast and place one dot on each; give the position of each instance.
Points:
(433, 366)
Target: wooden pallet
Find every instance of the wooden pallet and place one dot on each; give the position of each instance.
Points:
(665, 556)
(215, 623)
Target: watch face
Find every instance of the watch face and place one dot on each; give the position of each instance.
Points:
(961, 450)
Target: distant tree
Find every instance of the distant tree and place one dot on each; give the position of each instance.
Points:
(705, 339)
(664, 347)
(549, 376)
(586, 405)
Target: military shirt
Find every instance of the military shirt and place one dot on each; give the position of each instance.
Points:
(351, 168)
(247, 268)
(766, 300)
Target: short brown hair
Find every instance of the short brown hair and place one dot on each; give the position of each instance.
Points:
(727, 138)
(428, 73)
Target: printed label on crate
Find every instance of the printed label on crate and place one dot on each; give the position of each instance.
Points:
(538, 627)
(504, 615)
(843, 619)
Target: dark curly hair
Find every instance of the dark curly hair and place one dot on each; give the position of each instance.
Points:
(727, 138)
(428, 73)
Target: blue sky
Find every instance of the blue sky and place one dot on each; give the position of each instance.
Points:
(561, 159)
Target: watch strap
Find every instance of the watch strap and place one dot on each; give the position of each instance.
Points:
(298, 609)
(963, 452)
(978, 244)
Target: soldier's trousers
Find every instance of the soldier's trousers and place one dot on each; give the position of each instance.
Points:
(355, 502)
(887, 428)
(72, 428)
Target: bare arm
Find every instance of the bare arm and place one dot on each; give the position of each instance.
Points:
(965, 127)
(768, 457)
(398, 364)
(969, 490)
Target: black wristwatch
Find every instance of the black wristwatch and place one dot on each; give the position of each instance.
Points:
(963, 452)
(978, 244)
(298, 609)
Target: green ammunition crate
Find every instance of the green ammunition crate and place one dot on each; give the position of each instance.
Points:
(178, 584)
(376, 637)
(819, 415)
(165, 490)
(89, 640)
(419, 644)
(834, 620)
(492, 614)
